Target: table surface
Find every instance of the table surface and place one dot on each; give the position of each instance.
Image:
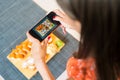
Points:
(17, 17)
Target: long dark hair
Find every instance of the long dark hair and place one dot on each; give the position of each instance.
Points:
(100, 35)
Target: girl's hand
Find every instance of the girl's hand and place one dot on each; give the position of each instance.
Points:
(66, 21)
(38, 51)
(38, 48)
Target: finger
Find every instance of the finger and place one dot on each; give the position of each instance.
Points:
(59, 13)
(58, 18)
(63, 29)
(46, 40)
(31, 39)
(44, 43)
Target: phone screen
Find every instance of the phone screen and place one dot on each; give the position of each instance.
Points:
(44, 27)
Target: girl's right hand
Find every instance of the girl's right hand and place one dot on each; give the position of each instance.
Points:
(66, 21)
(38, 49)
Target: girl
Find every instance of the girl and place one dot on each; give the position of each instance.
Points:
(98, 56)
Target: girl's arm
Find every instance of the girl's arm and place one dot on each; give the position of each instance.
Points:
(38, 51)
(44, 70)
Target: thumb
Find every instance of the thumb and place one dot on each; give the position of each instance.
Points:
(45, 41)
(31, 38)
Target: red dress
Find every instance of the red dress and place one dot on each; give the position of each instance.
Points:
(79, 69)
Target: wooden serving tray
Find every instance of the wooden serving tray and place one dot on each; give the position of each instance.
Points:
(21, 54)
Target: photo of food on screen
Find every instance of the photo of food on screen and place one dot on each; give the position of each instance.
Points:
(43, 28)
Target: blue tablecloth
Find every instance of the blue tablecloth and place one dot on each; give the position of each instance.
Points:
(17, 17)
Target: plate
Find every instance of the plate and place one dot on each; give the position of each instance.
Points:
(21, 57)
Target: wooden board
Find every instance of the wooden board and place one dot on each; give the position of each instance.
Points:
(21, 54)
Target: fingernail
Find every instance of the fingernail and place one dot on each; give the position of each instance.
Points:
(54, 17)
(49, 37)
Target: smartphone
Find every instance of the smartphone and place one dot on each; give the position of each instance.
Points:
(44, 27)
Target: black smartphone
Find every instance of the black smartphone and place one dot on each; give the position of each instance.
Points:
(44, 27)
